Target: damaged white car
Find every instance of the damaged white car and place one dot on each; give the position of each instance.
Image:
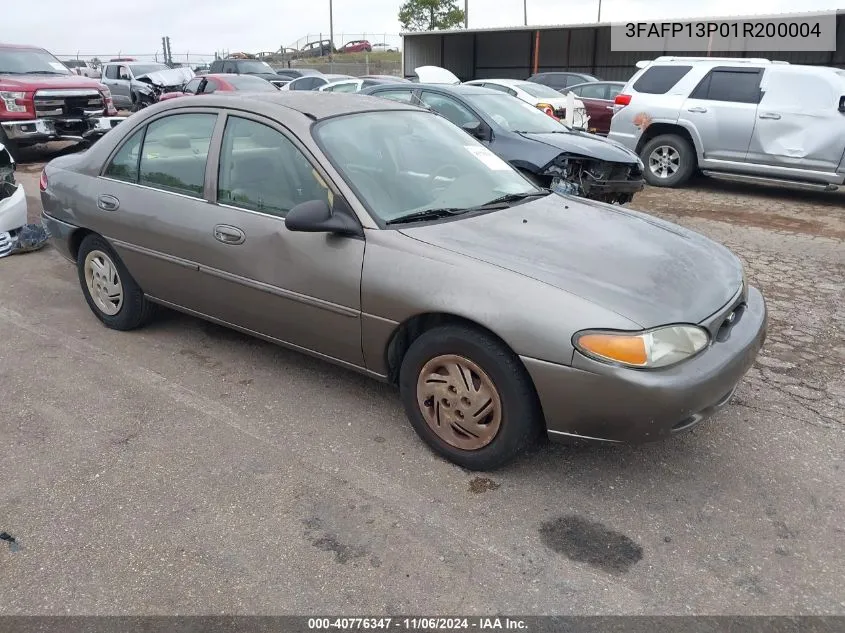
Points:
(12, 203)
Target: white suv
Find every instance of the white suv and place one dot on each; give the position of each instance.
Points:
(741, 118)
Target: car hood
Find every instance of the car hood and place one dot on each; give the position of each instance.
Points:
(435, 75)
(586, 145)
(169, 77)
(36, 82)
(649, 271)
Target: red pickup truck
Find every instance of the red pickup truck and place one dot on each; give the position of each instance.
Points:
(41, 100)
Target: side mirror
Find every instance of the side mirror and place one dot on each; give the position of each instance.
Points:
(842, 104)
(315, 216)
(476, 129)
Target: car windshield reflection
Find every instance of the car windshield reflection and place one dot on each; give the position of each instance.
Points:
(404, 162)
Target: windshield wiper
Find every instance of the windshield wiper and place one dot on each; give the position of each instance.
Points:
(427, 214)
(42, 72)
(511, 197)
(496, 203)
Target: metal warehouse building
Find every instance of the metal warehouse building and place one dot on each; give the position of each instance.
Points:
(520, 51)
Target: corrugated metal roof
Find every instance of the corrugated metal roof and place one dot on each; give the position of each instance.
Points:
(587, 25)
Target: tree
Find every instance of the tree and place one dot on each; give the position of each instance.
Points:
(430, 15)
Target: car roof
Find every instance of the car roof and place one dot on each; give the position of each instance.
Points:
(458, 89)
(312, 103)
(503, 82)
(22, 47)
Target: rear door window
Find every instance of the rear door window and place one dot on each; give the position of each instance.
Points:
(737, 85)
(403, 96)
(659, 80)
(449, 108)
(111, 72)
(124, 165)
(593, 91)
(175, 153)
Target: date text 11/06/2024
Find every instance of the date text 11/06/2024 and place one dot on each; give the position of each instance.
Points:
(723, 29)
(418, 624)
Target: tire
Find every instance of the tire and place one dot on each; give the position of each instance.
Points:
(133, 309)
(666, 145)
(506, 431)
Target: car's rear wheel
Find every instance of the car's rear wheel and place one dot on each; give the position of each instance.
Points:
(112, 294)
(669, 160)
(469, 397)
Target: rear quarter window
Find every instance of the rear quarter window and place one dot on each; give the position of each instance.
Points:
(659, 80)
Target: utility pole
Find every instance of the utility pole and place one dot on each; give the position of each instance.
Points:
(466, 14)
(599, 11)
(331, 38)
(525, 11)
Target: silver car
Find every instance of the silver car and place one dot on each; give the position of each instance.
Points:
(745, 119)
(134, 84)
(381, 237)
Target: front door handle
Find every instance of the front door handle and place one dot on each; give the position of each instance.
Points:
(228, 234)
(108, 203)
(698, 109)
(770, 115)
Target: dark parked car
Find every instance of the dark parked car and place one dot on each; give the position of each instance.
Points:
(317, 49)
(296, 73)
(597, 97)
(561, 80)
(238, 66)
(544, 149)
(381, 237)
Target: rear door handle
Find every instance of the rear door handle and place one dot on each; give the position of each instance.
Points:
(769, 115)
(228, 234)
(108, 203)
(698, 109)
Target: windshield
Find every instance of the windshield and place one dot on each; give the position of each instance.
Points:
(402, 162)
(143, 69)
(255, 67)
(245, 82)
(515, 115)
(539, 90)
(23, 61)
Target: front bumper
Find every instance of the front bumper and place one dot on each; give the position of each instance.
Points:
(599, 401)
(13, 211)
(35, 131)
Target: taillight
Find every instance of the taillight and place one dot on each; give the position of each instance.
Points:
(42, 182)
(622, 99)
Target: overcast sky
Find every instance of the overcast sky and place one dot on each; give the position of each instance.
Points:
(103, 27)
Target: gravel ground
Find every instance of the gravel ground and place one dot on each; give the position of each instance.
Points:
(185, 468)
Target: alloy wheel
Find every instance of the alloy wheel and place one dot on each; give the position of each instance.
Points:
(664, 161)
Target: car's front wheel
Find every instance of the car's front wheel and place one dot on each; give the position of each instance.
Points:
(469, 397)
(112, 294)
(669, 160)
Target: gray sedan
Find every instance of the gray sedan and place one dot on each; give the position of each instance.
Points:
(381, 237)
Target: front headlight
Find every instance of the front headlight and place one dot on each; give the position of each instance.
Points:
(660, 347)
(10, 101)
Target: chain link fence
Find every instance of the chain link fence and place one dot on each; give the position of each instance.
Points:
(185, 59)
(379, 41)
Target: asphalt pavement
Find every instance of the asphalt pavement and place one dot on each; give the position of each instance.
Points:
(185, 468)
